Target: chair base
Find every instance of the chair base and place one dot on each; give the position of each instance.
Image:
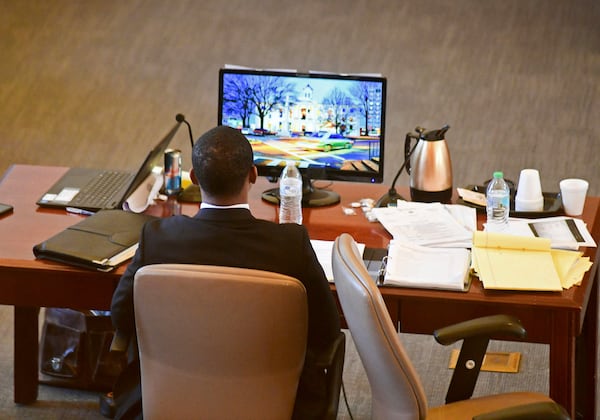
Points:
(107, 405)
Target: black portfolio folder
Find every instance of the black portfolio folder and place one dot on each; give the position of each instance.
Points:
(101, 241)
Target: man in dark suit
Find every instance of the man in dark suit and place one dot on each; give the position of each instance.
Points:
(224, 232)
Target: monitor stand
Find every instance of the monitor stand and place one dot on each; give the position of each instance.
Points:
(311, 196)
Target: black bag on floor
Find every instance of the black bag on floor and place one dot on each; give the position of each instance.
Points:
(75, 350)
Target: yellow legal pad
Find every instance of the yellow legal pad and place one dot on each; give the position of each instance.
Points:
(510, 262)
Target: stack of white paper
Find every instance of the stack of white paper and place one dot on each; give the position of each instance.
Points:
(429, 249)
(563, 232)
(424, 267)
(323, 250)
(429, 224)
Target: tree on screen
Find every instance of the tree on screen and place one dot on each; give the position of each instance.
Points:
(337, 106)
(267, 93)
(361, 92)
(236, 98)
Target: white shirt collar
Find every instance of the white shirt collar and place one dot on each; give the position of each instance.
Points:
(233, 206)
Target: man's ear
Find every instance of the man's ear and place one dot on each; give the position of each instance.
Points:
(193, 177)
(253, 175)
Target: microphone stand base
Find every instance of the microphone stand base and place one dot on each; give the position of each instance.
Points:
(391, 197)
(190, 194)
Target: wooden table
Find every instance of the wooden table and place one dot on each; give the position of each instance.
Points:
(567, 321)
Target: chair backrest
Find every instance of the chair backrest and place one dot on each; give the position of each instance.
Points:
(219, 342)
(396, 389)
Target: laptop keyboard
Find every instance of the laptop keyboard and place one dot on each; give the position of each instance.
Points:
(99, 192)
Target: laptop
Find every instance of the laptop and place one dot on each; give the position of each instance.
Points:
(97, 189)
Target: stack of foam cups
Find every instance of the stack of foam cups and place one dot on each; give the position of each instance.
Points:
(529, 192)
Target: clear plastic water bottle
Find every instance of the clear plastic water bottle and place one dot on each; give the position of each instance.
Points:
(497, 203)
(290, 195)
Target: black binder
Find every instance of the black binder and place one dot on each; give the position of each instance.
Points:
(101, 241)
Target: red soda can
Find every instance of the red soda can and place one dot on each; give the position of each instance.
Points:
(172, 171)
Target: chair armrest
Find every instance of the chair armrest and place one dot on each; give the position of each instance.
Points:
(534, 411)
(484, 326)
(476, 334)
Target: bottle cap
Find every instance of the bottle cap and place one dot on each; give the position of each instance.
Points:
(498, 174)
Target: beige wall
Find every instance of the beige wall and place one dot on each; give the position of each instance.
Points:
(96, 83)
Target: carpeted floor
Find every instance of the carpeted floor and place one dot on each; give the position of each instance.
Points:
(95, 83)
(431, 361)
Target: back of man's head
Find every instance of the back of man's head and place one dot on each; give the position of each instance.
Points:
(222, 158)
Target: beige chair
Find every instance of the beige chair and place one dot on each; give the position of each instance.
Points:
(396, 389)
(219, 342)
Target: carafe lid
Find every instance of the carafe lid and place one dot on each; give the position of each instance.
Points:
(435, 135)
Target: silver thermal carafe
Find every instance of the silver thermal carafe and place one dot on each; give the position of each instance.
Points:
(429, 165)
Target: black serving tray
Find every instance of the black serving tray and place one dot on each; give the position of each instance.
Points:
(552, 203)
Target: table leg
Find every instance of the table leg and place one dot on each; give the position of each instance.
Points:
(393, 307)
(562, 363)
(586, 353)
(26, 354)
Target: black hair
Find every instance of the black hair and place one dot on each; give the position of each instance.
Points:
(222, 158)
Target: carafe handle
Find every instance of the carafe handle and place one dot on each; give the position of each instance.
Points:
(407, 149)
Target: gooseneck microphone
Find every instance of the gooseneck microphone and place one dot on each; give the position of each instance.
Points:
(392, 195)
(191, 193)
(181, 118)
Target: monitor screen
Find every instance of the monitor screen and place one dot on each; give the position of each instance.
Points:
(331, 125)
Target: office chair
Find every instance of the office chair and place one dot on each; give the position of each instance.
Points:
(219, 342)
(397, 392)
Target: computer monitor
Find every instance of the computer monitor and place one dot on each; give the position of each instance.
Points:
(331, 125)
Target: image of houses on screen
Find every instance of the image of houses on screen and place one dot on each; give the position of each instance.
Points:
(317, 121)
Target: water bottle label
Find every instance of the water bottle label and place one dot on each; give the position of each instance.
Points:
(290, 187)
(498, 208)
(290, 208)
(498, 212)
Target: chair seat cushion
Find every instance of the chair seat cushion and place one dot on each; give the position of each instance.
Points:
(468, 408)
